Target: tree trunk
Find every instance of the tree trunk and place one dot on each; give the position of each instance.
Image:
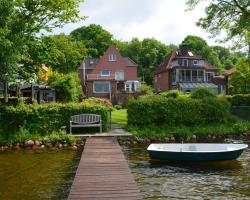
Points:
(6, 92)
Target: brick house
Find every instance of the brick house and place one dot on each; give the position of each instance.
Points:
(184, 70)
(111, 76)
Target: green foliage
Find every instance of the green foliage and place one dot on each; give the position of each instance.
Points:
(59, 52)
(171, 93)
(68, 87)
(201, 48)
(231, 16)
(157, 110)
(94, 37)
(236, 127)
(45, 118)
(202, 93)
(146, 89)
(59, 137)
(21, 21)
(97, 101)
(240, 100)
(239, 83)
(118, 107)
(148, 54)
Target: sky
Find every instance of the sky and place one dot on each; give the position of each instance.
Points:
(164, 20)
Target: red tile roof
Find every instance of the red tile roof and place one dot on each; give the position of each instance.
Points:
(229, 72)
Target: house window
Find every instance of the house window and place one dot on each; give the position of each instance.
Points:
(195, 62)
(132, 86)
(200, 77)
(101, 87)
(197, 76)
(174, 76)
(119, 75)
(209, 76)
(185, 75)
(188, 76)
(185, 63)
(105, 72)
(112, 57)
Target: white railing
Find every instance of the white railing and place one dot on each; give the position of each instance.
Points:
(99, 77)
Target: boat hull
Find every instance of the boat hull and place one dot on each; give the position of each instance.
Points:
(195, 156)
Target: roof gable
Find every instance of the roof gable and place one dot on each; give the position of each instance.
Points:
(181, 54)
(111, 57)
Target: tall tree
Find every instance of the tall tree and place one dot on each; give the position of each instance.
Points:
(200, 47)
(148, 54)
(240, 81)
(232, 16)
(59, 52)
(95, 38)
(21, 20)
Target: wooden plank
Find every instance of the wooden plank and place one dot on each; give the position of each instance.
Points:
(103, 173)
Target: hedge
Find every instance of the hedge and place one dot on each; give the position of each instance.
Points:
(45, 118)
(157, 110)
(239, 99)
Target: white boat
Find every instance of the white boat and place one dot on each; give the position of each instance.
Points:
(195, 151)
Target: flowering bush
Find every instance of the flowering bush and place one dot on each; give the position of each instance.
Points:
(98, 101)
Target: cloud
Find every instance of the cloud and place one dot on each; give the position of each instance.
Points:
(165, 20)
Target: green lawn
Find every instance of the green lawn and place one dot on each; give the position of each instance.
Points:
(119, 117)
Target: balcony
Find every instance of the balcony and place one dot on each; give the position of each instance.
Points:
(95, 77)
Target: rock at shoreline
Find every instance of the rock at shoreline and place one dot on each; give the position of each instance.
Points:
(29, 143)
(194, 137)
(37, 143)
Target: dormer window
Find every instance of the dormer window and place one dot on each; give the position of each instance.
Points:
(105, 72)
(112, 57)
(195, 62)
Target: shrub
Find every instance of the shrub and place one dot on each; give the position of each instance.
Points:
(146, 89)
(201, 93)
(45, 118)
(240, 100)
(97, 101)
(118, 107)
(158, 110)
(67, 86)
(171, 93)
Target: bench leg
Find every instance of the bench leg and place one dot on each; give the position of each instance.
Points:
(100, 128)
(70, 130)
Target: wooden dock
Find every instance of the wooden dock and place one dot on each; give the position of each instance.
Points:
(103, 173)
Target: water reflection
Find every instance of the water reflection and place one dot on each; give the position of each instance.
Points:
(190, 180)
(31, 175)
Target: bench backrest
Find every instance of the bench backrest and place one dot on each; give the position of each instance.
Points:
(86, 118)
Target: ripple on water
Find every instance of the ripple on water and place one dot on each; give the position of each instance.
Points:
(210, 180)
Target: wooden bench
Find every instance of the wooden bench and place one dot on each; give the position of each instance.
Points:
(86, 120)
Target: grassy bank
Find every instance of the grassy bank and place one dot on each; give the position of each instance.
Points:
(25, 139)
(119, 117)
(236, 128)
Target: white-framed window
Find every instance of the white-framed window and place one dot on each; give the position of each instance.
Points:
(195, 62)
(105, 72)
(209, 76)
(119, 75)
(132, 86)
(112, 57)
(101, 87)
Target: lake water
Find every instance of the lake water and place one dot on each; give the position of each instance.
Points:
(48, 174)
(37, 175)
(211, 180)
